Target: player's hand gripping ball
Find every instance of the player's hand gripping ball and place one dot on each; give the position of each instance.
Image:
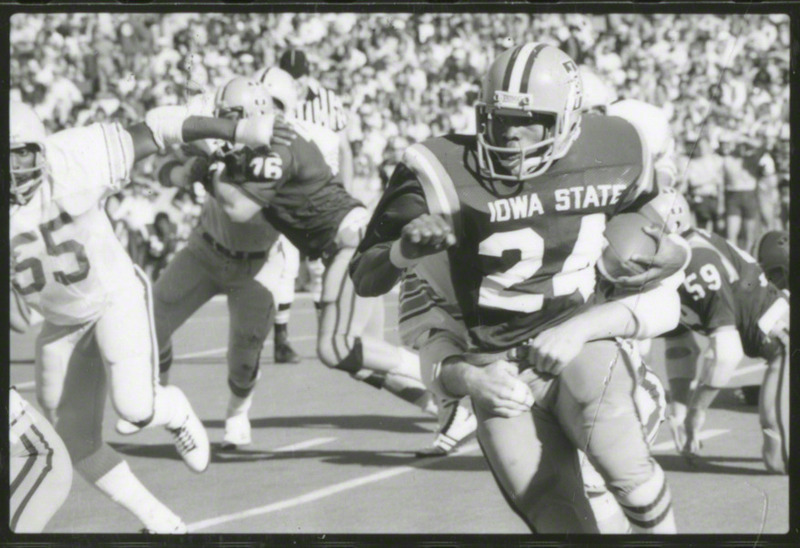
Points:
(639, 252)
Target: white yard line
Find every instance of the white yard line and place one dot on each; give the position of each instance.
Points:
(324, 492)
(303, 445)
(704, 435)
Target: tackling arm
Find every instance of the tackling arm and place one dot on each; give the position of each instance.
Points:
(722, 356)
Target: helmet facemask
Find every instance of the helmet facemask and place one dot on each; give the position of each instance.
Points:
(24, 181)
(522, 162)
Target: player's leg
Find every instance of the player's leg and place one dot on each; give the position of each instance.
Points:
(773, 405)
(278, 275)
(252, 310)
(595, 404)
(750, 221)
(341, 343)
(40, 470)
(681, 353)
(537, 470)
(126, 338)
(184, 286)
(316, 275)
(71, 387)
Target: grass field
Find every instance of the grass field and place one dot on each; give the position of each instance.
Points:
(336, 456)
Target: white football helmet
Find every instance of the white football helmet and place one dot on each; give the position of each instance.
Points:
(281, 86)
(533, 80)
(242, 97)
(26, 131)
(597, 94)
(672, 208)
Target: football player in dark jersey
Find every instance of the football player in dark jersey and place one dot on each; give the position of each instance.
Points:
(727, 297)
(520, 211)
(293, 187)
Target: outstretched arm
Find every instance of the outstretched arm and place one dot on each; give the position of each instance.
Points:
(164, 126)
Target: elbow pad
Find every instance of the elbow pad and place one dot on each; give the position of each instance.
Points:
(656, 311)
(166, 124)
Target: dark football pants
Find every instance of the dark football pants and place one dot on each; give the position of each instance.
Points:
(196, 274)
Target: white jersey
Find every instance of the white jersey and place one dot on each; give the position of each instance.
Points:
(67, 259)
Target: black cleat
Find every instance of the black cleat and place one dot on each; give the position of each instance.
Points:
(285, 354)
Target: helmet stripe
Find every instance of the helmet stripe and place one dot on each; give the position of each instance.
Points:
(519, 67)
(510, 68)
(526, 74)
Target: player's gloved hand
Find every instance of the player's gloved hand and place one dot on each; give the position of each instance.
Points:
(282, 132)
(671, 255)
(255, 131)
(425, 235)
(552, 349)
(498, 390)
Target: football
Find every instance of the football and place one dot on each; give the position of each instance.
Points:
(626, 237)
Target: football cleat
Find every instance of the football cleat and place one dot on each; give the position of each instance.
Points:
(459, 426)
(237, 432)
(284, 353)
(189, 436)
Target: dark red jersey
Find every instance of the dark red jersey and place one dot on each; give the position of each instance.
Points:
(526, 252)
(300, 195)
(725, 286)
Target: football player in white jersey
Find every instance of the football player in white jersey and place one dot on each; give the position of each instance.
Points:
(652, 121)
(98, 334)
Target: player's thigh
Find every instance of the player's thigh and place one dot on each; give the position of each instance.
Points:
(126, 339)
(55, 347)
(182, 288)
(252, 309)
(78, 413)
(595, 405)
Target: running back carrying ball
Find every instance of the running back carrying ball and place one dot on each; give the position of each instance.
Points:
(626, 237)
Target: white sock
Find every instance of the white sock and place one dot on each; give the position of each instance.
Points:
(238, 406)
(121, 486)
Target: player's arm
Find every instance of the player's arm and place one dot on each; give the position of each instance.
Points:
(400, 232)
(346, 161)
(722, 356)
(641, 315)
(165, 126)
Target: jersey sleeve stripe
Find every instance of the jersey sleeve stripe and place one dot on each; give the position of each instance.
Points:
(109, 151)
(439, 189)
(126, 150)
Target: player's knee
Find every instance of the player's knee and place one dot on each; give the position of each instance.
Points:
(79, 442)
(135, 406)
(340, 352)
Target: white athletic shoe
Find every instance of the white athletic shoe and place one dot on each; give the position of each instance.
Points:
(458, 426)
(189, 435)
(161, 521)
(237, 432)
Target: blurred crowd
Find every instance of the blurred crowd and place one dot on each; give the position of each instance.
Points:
(404, 78)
